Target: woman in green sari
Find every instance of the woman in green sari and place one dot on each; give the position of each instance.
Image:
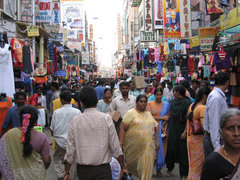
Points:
(139, 139)
(25, 152)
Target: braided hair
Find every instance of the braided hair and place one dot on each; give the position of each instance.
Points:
(33, 112)
(200, 94)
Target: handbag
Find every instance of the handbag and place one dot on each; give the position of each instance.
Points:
(196, 127)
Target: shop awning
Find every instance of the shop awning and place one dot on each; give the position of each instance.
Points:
(21, 26)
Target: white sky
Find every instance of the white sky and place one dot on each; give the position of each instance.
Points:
(104, 27)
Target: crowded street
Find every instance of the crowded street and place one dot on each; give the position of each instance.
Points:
(120, 90)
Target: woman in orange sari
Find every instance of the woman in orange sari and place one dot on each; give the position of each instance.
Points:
(160, 111)
(195, 141)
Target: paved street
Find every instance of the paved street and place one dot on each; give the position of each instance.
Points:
(51, 175)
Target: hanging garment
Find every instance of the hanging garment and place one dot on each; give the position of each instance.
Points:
(221, 64)
(191, 65)
(6, 72)
(55, 58)
(156, 54)
(206, 71)
(170, 65)
(159, 66)
(177, 45)
(151, 56)
(4, 106)
(139, 65)
(16, 52)
(201, 62)
(27, 64)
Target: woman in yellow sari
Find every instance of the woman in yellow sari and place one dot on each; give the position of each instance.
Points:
(139, 140)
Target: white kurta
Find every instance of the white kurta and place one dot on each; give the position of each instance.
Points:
(6, 72)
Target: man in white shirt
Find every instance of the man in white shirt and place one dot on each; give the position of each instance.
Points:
(60, 124)
(123, 103)
(216, 105)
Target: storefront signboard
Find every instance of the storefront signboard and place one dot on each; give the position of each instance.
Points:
(208, 32)
(57, 37)
(194, 41)
(233, 19)
(148, 36)
(56, 12)
(172, 28)
(185, 17)
(33, 31)
(43, 9)
(26, 14)
(206, 43)
(85, 57)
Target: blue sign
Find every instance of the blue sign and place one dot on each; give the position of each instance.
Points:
(61, 73)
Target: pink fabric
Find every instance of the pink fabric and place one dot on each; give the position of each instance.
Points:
(40, 143)
(201, 62)
(156, 53)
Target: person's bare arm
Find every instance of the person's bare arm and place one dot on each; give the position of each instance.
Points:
(123, 129)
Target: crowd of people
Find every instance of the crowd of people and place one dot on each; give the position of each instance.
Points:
(107, 129)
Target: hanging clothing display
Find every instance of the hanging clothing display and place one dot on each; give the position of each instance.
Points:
(27, 61)
(5, 105)
(17, 52)
(6, 72)
(221, 64)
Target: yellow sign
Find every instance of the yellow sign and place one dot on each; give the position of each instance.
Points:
(233, 19)
(33, 31)
(194, 41)
(208, 32)
(82, 44)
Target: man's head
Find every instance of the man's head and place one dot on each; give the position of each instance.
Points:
(155, 83)
(195, 84)
(88, 97)
(124, 88)
(39, 90)
(54, 86)
(20, 98)
(169, 85)
(65, 97)
(131, 85)
(222, 79)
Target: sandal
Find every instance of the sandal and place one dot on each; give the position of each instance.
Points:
(168, 173)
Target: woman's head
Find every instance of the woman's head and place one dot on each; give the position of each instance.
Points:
(179, 91)
(202, 95)
(28, 118)
(141, 102)
(107, 93)
(230, 128)
(158, 93)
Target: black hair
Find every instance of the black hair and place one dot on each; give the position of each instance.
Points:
(180, 89)
(195, 81)
(55, 85)
(39, 87)
(112, 84)
(66, 96)
(221, 78)
(88, 97)
(107, 89)
(76, 97)
(140, 97)
(201, 92)
(27, 147)
(123, 83)
(206, 83)
(186, 84)
(158, 90)
(170, 83)
(64, 88)
(19, 93)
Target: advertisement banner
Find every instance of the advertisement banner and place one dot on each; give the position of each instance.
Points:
(56, 13)
(158, 4)
(206, 43)
(26, 14)
(185, 17)
(194, 41)
(172, 27)
(208, 32)
(61, 73)
(232, 20)
(85, 57)
(57, 37)
(33, 31)
(148, 16)
(148, 36)
(212, 7)
(91, 32)
(72, 18)
(43, 11)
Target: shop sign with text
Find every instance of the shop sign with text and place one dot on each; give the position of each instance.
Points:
(148, 36)
(159, 22)
(194, 41)
(148, 16)
(43, 11)
(206, 43)
(185, 17)
(33, 31)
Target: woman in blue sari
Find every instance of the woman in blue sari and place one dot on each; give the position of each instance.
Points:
(160, 111)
